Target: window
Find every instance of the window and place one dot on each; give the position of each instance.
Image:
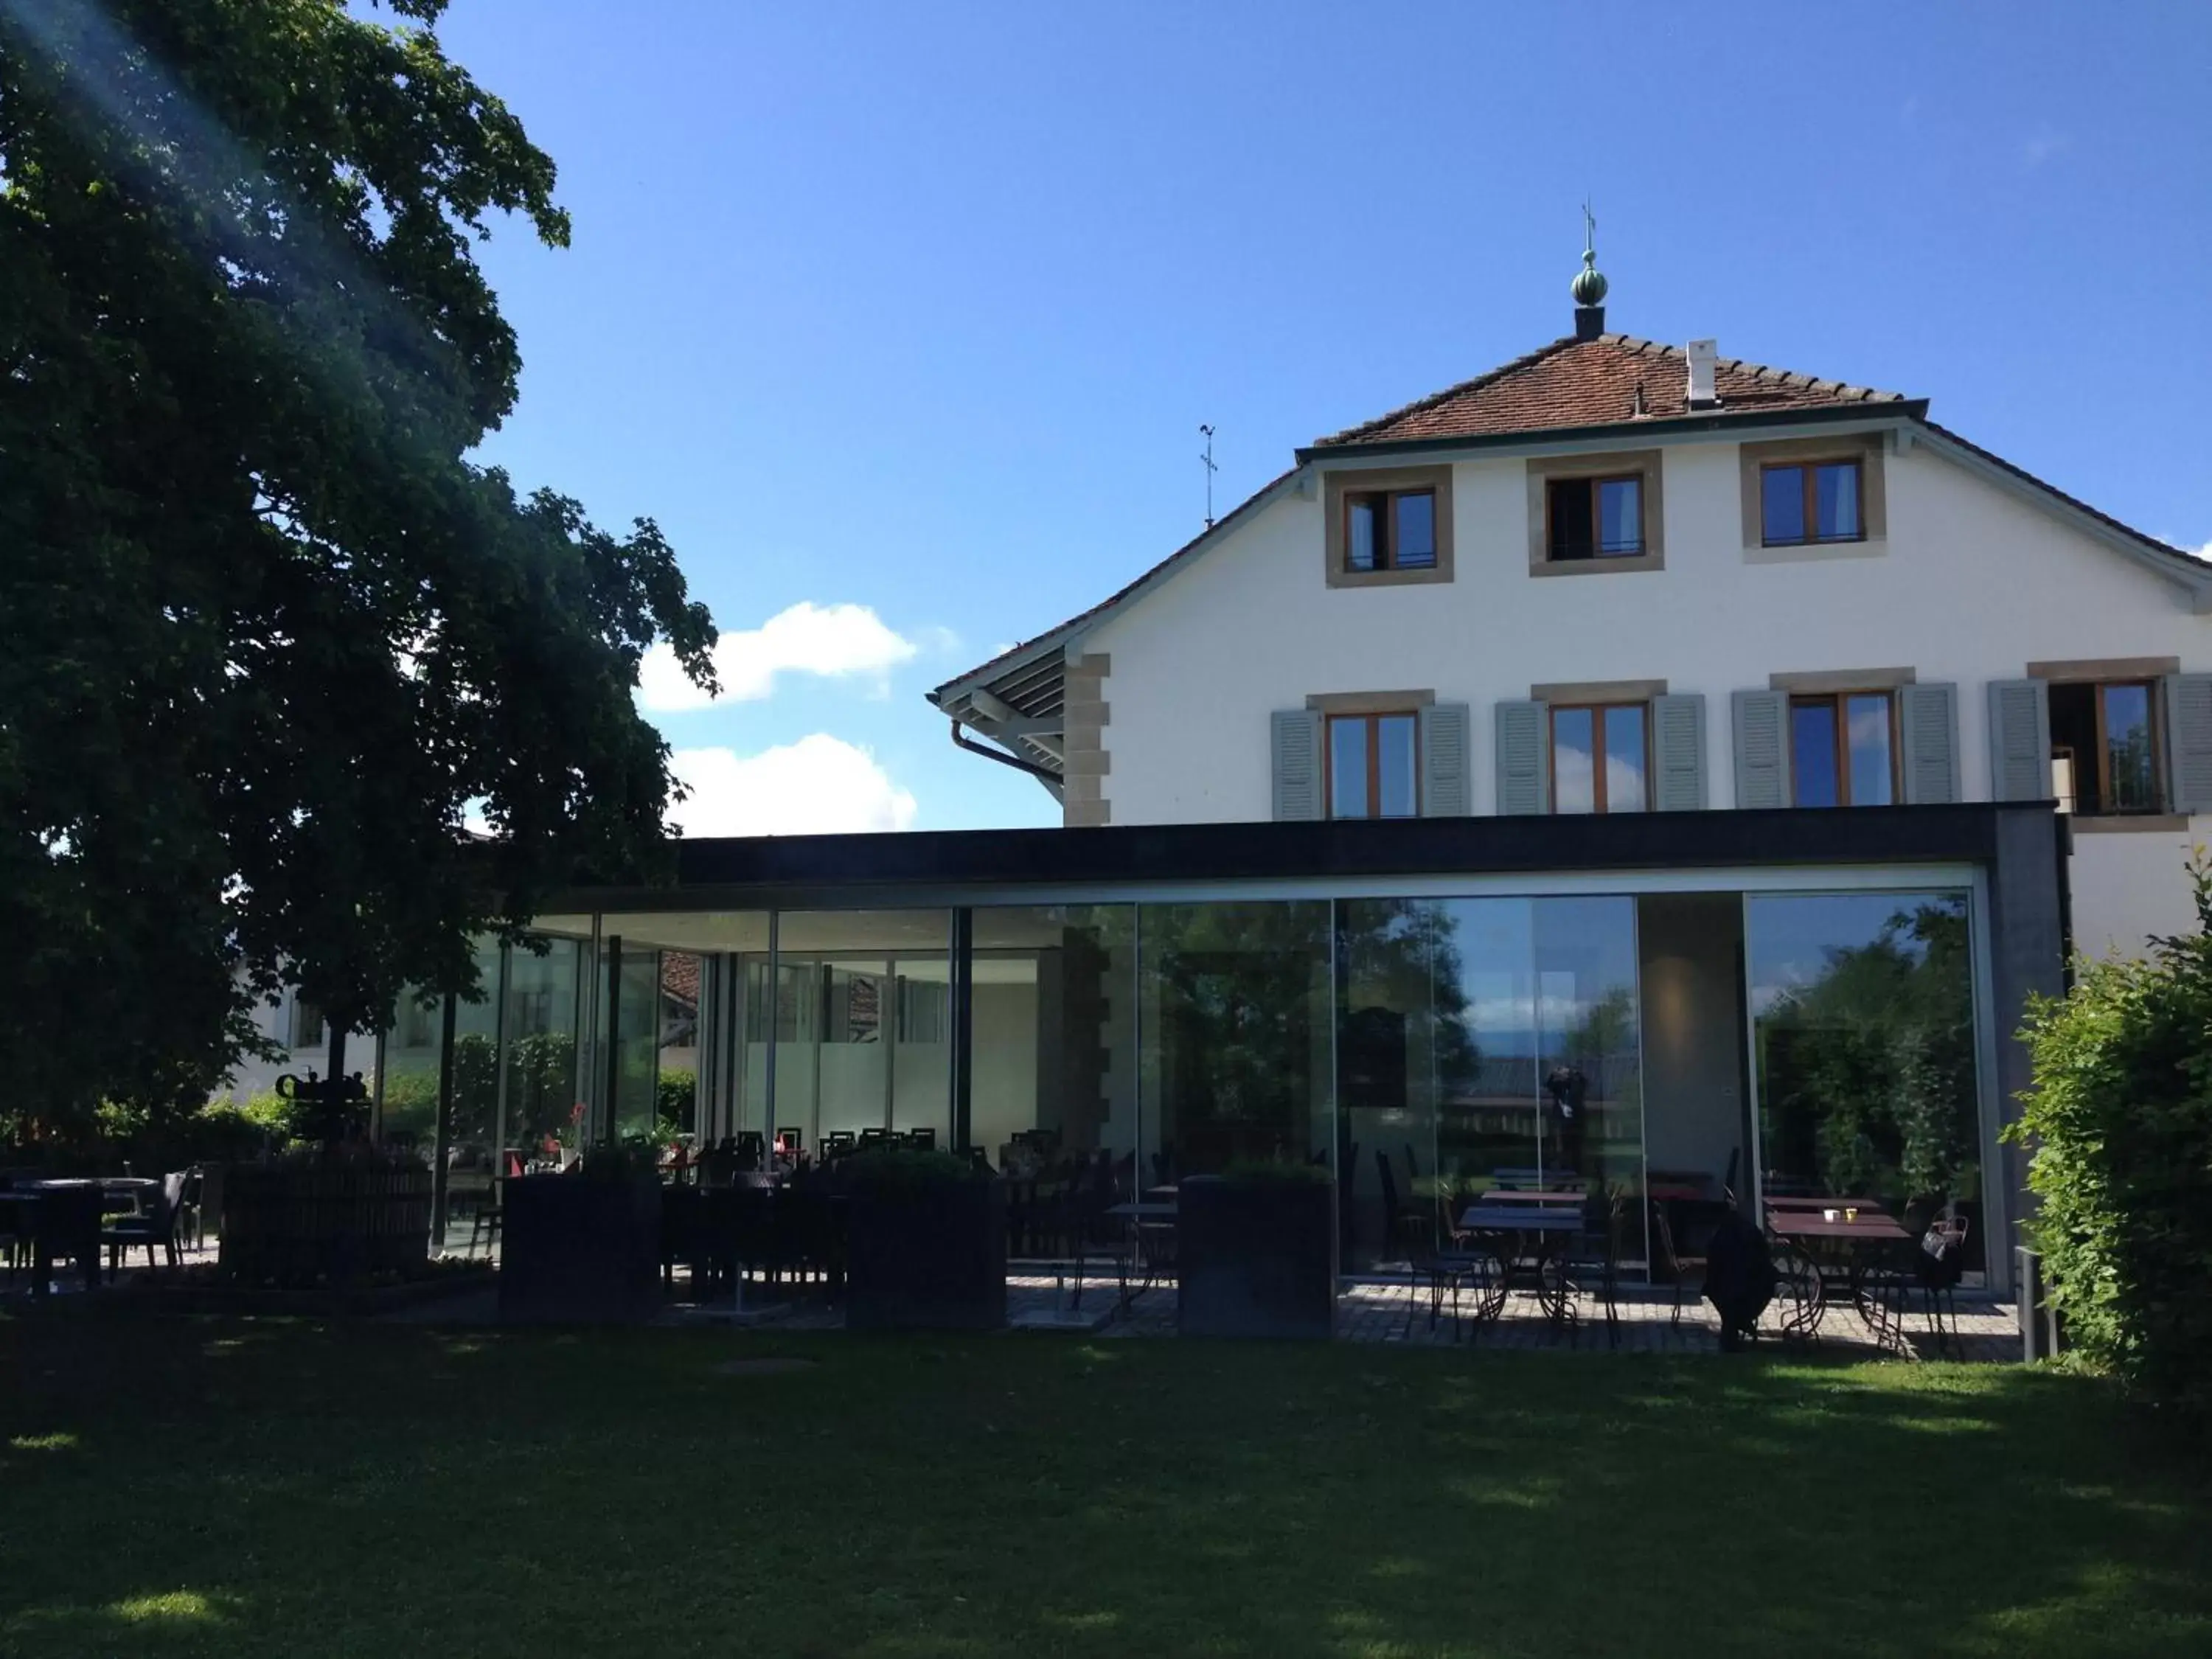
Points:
(1391, 530)
(1811, 501)
(1594, 518)
(307, 1025)
(1373, 772)
(1601, 758)
(1842, 749)
(2103, 747)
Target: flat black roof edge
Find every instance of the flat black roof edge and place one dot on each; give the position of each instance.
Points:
(768, 865)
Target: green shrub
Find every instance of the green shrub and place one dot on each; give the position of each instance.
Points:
(2119, 1117)
(906, 1169)
(673, 1099)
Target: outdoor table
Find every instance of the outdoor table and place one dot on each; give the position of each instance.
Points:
(52, 1221)
(1526, 1195)
(1152, 1215)
(1678, 1191)
(1519, 1230)
(1819, 1242)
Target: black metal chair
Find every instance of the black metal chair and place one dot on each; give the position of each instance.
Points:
(1590, 1264)
(154, 1225)
(1402, 1227)
(1678, 1267)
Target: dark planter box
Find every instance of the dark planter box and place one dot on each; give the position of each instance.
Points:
(1256, 1258)
(931, 1257)
(576, 1250)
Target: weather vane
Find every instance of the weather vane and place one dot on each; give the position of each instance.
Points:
(1210, 471)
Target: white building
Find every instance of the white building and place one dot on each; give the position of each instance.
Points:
(1613, 575)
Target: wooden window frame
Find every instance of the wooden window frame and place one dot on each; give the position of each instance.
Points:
(1596, 483)
(1386, 534)
(1839, 702)
(1809, 467)
(1371, 718)
(2158, 784)
(1599, 807)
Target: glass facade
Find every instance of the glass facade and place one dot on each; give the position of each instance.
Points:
(1674, 1049)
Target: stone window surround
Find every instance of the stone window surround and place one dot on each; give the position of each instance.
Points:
(1864, 447)
(1645, 463)
(1351, 481)
(2097, 670)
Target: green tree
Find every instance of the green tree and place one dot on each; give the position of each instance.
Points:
(272, 637)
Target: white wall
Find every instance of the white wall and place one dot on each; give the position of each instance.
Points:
(1971, 584)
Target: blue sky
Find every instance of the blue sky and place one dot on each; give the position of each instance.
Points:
(908, 314)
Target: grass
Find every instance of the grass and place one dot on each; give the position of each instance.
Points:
(249, 1488)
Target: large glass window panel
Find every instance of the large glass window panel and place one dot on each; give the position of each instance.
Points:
(1388, 990)
(637, 1041)
(1626, 790)
(1236, 1019)
(1863, 1035)
(544, 1096)
(1397, 772)
(1052, 1086)
(1813, 778)
(1589, 1046)
(1485, 961)
(1574, 759)
(1874, 771)
(2132, 766)
(1348, 768)
(853, 984)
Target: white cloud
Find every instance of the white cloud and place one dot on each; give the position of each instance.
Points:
(819, 785)
(837, 641)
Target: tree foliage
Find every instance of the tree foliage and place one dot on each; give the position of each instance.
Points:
(272, 637)
(2119, 1117)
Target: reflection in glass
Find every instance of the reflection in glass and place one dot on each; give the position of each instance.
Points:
(1415, 546)
(637, 1039)
(1054, 1082)
(1863, 1006)
(1396, 773)
(1781, 504)
(1812, 753)
(1574, 762)
(1836, 489)
(1868, 728)
(1235, 1016)
(1620, 515)
(1348, 768)
(1389, 994)
(1359, 538)
(2127, 749)
(543, 1090)
(1626, 790)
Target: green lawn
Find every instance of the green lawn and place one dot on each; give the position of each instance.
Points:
(180, 1487)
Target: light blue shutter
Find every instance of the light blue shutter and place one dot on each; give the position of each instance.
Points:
(1447, 778)
(2019, 740)
(2189, 742)
(1762, 749)
(1297, 739)
(1678, 752)
(1524, 759)
(1928, 719)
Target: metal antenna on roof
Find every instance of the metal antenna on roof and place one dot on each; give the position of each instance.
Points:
(1210, 471)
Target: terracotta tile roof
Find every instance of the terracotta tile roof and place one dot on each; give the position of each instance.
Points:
(679, 977)
(1581, 383)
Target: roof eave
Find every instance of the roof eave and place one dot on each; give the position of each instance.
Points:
(1654, 429)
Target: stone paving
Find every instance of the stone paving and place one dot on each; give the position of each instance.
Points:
(1392, 1312)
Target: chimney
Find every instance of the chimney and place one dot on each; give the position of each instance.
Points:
(1703, 354)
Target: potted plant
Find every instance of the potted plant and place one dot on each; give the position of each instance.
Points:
(926, 1243)
(1255, 1246)
(584, 1247)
